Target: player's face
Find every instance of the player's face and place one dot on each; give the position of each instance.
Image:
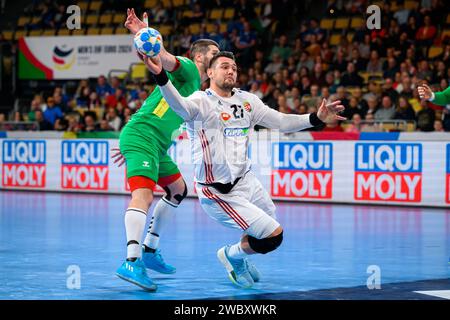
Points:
(224, 73)
(212, 50)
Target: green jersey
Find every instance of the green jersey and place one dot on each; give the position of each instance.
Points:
(148, 135)
(155, 120)
(442, 98)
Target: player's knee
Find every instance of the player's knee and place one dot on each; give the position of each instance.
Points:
(180, 196)
(177, 195)
(265, 245)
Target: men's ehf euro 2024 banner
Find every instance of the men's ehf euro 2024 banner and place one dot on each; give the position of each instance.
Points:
(74, 57)
(369, 172)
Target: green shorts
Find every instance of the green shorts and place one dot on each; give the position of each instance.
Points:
(146, 159)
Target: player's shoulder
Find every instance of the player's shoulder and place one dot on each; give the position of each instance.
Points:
(185, 60)
(198, 94)
(245, 95)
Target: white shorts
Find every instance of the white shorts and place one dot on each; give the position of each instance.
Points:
(247, 207)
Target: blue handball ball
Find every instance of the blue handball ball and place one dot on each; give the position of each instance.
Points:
(148, 41)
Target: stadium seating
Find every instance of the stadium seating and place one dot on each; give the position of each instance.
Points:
(106, 19)
(340, 29)
(341, 23)
(327, 24)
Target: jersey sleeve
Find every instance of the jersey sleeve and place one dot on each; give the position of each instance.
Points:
(187, 108)
(442, 98)
(186, 72)
(272, 119)
(259, 109)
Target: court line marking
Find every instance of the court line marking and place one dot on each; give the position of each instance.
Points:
(445, 294)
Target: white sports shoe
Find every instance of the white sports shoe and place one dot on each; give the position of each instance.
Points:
(236, 268)
(256, 275)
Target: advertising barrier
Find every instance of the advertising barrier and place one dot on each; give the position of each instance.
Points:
(366, 172)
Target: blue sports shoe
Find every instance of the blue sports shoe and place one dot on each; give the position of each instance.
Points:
(236, 268)
(256, 276)
(154, 261)
(134, 272)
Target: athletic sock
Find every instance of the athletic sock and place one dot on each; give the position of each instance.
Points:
(134, 225)
(236, 252)
(162, 215)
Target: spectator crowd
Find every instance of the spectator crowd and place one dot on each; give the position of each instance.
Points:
(375, 73)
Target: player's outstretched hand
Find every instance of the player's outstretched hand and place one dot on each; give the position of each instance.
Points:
(133, 23)
(425, 92)
(328, 113)
(117, 157)
(153, 64)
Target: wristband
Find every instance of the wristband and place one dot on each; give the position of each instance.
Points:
(161, 78)
(432, 97)
(314, 119)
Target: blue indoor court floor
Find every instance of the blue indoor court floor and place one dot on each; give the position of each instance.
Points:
(327, 252)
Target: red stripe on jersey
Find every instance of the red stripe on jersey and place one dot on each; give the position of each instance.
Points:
(227, 208)
(234, 212)
(204, 157)
(207, 157)
(210, 196)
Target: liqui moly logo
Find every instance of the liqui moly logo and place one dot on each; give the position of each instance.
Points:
(388, 172)
(84, 165)
(24, 163)
(447, 188)
(302, 170)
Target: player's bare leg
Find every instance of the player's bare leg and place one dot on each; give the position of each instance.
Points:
(162, 215)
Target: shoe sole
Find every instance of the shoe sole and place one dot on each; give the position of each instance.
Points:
(159, 271)
(223, 259)
(255, 278)
(151, 289)
(163, 272)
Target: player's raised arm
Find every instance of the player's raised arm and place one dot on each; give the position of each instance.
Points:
(273, 119)
(134, 24)
(439, 98)
(185, 108)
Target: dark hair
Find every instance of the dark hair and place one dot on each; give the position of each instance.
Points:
(201, 46)
(226, 54)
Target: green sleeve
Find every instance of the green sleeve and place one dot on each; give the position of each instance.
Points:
(442, 98)
(186, 72)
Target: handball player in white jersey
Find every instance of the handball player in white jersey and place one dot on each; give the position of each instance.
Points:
(218, 122)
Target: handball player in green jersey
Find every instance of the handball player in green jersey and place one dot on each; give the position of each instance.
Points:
(143, 144)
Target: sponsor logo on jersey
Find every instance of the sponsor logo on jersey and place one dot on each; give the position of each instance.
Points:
(236, 132)
(84, 165)
(225, 116)
(247, 106)
(24, 163)
(302, 170)
(447, 197)
(388, 172)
